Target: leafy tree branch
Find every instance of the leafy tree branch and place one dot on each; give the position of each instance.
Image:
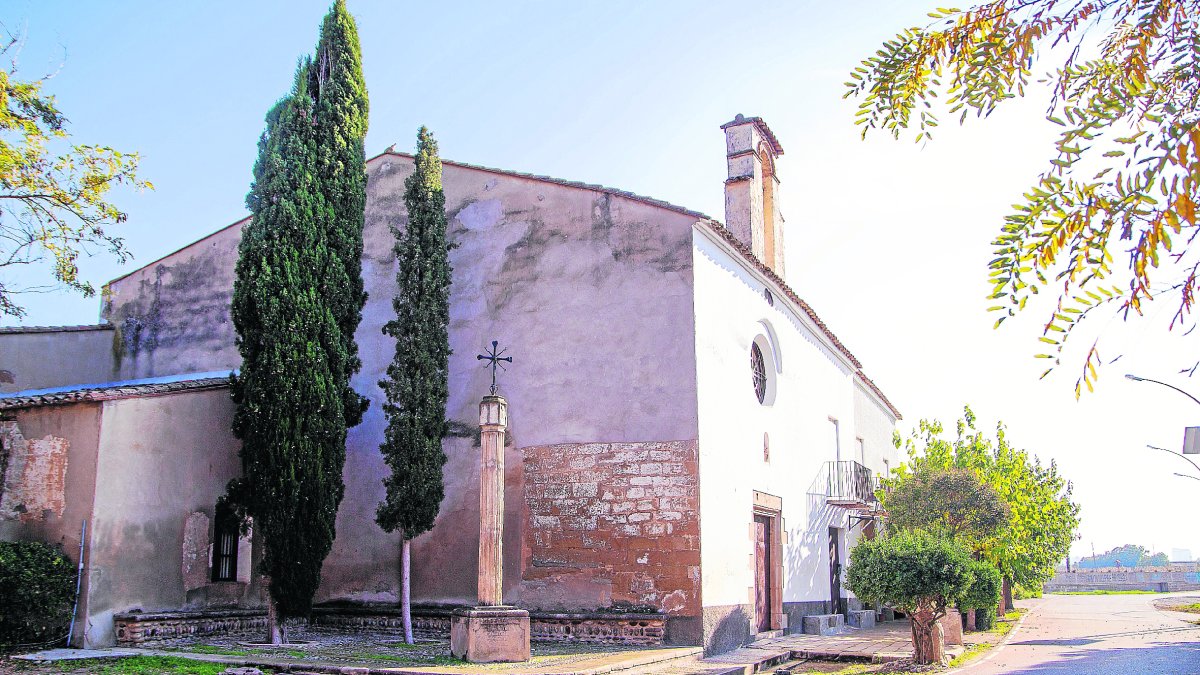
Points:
(52, 207)
(1111, 220)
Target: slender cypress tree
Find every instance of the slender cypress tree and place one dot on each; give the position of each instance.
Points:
(297, 301)
(289, 412)
(340, 105)
(416, 384)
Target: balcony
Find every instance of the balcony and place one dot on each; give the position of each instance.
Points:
(850, 485)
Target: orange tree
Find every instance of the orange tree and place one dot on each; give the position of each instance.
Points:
(1110, 221)
(1042, 519)
(917, 572)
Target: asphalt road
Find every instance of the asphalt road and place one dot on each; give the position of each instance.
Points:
(1097, 635)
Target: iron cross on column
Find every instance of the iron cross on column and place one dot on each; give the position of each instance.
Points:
(493, 359)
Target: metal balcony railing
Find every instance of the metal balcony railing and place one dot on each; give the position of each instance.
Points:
(849, 484)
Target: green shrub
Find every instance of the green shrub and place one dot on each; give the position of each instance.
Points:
(1022, 593)
(985, 618)
(909, 569)
(917, 572)
(984, 591)
(37, 587)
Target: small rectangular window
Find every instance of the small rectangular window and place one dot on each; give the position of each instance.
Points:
(837, 443)
(225, 546)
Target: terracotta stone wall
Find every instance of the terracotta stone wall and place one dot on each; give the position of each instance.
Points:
(612, 524)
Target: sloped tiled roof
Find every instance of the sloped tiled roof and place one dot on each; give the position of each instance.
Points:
(570, 183)
(109, 391)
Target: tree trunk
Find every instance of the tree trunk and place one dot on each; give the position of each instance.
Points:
(971, 620)
(1008, 601)
(405, 596)
(927, 637)
(275, 634)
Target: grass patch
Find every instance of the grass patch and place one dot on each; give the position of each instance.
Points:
(970, 653)
(1194, 608)
(218, 650)
(142, 665)
(404, 645)
(439, 660)
(1105, 592)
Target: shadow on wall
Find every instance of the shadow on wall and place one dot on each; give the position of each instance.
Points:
(1159, 657)
(806, 572)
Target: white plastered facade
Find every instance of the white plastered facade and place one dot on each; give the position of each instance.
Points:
(811, 384)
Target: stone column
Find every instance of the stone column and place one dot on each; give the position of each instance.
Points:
(491, 632)
(493, 420)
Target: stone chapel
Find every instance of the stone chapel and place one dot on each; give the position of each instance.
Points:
(701, 485)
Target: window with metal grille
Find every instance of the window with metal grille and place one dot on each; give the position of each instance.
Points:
(758, 369)
(225, 546)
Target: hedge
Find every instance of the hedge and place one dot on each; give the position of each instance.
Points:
(37, 589)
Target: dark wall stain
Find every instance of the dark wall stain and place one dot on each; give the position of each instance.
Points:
(187, 303)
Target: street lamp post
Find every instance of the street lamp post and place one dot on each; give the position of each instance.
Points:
(1191, 435)
(1135, 378)
(1185, 458)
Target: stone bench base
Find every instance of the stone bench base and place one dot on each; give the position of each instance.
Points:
(864, 618)
(824, 624)
(149, 628)
(143, 629)
(582, 627)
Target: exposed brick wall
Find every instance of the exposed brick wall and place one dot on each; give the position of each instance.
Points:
(35, 475)
(612, 524)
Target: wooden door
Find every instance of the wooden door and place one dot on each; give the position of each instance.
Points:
(835, 570)
(762, 573)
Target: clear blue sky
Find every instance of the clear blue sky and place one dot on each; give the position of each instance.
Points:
(888, 240)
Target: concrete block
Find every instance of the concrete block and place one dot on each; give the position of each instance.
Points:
(864, 618)
(952, 627)
(490, 635)
(824, 624)
(887, 614)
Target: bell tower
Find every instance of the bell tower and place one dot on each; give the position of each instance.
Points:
(752, 189)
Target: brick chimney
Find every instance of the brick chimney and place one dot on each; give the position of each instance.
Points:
(752, 189)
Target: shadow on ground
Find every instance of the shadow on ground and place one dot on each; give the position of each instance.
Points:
(1162, 658)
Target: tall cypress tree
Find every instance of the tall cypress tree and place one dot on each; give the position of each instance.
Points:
(340, 105)
(416, 384)
(297, 301)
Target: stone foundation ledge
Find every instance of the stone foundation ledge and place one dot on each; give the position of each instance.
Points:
(148, 628)
(584, 627)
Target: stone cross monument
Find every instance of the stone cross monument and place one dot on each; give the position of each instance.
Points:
(492, 631)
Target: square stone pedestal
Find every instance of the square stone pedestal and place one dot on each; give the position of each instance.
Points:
(490, 634)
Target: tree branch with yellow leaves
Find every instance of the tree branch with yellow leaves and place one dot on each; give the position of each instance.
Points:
(52, 207)
(1110, 222)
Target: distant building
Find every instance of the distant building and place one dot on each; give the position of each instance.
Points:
(688, 438)
(1181, 555)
